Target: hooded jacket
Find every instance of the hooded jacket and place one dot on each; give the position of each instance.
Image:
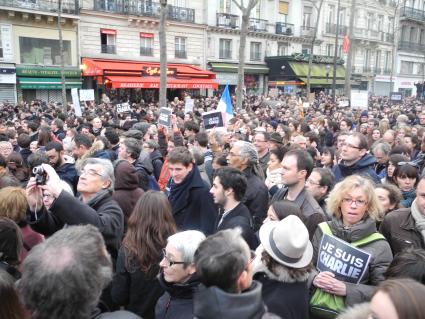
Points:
(364, 166)
(126, 188)
(157, 161)
(177, 300)
(213, 303)
(380, 259)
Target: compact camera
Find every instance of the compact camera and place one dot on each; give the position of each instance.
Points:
(40, 175)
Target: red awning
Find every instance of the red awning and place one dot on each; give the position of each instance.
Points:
(152, 82)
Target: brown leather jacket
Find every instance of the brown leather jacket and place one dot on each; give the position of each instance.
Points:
(399, 229)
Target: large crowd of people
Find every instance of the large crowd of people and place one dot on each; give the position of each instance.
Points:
(294, 209)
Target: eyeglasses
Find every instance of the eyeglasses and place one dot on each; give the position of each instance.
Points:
(251, 258)
(90, 172)
(312, 182)
(358, 202)
(169, 261)
(350, 146)
(408, 163)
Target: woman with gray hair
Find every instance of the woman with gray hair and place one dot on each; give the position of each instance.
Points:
(178, 275)
(244, 157)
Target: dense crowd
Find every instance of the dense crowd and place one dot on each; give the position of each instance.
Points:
(294, 209)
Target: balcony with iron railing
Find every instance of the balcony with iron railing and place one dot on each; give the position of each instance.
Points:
(145, 9)
(225, 54)
(411, 46)
(369, 34)
(68, 6)
(180, 54)
(109, 49)
(227, 20)
(412, 13)
(258, 25)
(307, 31)
(284, 28)
(331, 29)
(146, 51)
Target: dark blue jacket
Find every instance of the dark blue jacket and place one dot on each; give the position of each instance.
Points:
(364, 166)
(69, 174)
(193, 206)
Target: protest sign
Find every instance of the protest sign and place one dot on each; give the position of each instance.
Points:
(359, 100)
(343, 103)
(396, 97)
(76, 102)
(87, 95)
(188, 107)
(212, 119)
(165, 116)
(346, 262)
(124, 107)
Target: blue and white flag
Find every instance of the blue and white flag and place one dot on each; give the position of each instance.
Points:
(225, 105)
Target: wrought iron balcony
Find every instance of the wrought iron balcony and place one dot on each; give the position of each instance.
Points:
(180, 54)
(146, 51)
(331, 29)
(144, 8)
(225, 54)
(68, 6)
(369, 34)
(307, 31)
(227, 20)
(284, 28)
(258, 24)
(410, 46)
(412, 13)
(110, 49)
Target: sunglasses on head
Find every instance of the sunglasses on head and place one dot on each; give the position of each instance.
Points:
(408, 163)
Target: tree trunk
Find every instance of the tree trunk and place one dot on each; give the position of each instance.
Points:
(241, 71)
(393, 50)
(310, 58)
(63, 83)
(350, 51)
(163, 55)
(336, 53)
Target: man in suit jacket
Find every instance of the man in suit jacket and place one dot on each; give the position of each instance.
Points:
(228, 190)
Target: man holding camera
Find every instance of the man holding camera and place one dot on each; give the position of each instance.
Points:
(96, 206)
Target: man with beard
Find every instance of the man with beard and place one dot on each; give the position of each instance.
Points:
(65, 169)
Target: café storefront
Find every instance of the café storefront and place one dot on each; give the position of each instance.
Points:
(133, 80)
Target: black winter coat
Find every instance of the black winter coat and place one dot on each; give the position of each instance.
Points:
(256, 198)
(157, 162)
(102, 212)
(137, 291)
(177, 300)
(240, 217)
(192, 204)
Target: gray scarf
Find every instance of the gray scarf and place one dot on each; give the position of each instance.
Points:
(419, 219)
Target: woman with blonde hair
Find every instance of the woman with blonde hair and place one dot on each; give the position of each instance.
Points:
(355, 209)
(13, 205)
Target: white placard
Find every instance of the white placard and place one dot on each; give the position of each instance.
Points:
(359, 100)
(188, 107)
(124, 107)
(87, 95)
(76, 102)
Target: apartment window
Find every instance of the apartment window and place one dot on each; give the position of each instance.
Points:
(146, 44)
(331, 13)
(378, 60)
(225, 6)
(388, 60)
(390, 24)
(225, 49)
(180, 47)
(307, 16)
(367, 58)
(330, 50)
(406, 67)
(412, 35)
(178, 3)
(255, 53)
(43, 51)
(380, 23)
(256, 12)
(342, 16)
(420, 68)
(305, 49)
(108, 39)
(422, 37)
(370, 18)
(283, 11)
(282, 49)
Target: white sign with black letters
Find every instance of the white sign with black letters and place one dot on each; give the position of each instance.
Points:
(124, 107)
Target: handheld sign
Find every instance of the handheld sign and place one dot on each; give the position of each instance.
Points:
(188, 107)
(346, 262)
(87, 95)
(165, 116)
(212, 119)
(396, 96)
(76, 102)
(344, 103)
(359, 100)
(124, 107)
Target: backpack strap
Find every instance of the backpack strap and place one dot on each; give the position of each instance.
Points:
(325, 228)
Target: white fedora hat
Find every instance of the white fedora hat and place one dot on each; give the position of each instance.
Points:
(287, 242)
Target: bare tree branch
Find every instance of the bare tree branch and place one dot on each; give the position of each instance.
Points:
(237, 4)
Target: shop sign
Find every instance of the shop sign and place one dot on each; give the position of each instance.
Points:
(155, 71)
(7, 75)
(6, 41)
(227, 78)
(46, 72)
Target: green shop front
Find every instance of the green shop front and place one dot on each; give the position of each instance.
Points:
(290, 73)
(255, 77)
(44, 83)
